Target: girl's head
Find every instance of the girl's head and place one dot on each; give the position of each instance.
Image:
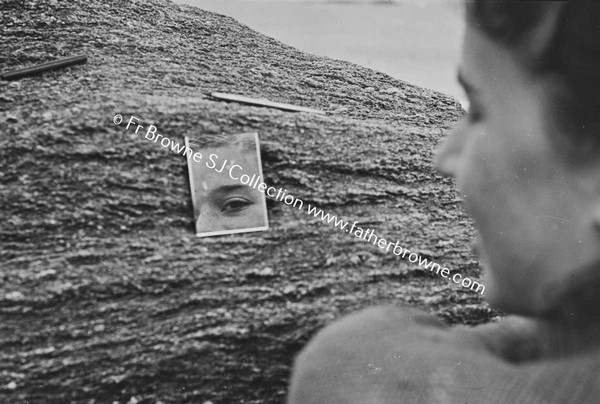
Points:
(527, 156)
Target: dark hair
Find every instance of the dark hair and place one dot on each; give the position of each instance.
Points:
(572, 54)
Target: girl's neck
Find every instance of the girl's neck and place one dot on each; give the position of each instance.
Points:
(568, 336)
(571, 322)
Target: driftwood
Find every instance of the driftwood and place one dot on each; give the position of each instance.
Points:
(106, 294)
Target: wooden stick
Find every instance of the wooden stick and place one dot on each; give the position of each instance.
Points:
(44, 67)
(263, 103)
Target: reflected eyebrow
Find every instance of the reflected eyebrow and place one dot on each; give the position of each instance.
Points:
(466, 85)
(223, 189)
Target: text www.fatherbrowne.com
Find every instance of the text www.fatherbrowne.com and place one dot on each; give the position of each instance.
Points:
(370, 236)
(212, 162)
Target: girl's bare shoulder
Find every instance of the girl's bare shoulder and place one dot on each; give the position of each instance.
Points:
(396, 355)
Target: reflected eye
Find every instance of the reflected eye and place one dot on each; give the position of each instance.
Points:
(235, 204)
